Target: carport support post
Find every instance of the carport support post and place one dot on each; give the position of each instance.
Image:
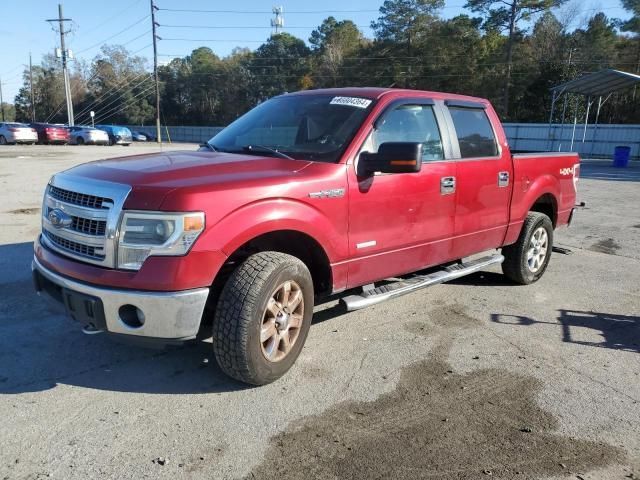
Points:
(595, 127)
(550, 134)
(586, 122)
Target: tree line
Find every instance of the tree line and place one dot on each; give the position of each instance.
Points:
(509, 51)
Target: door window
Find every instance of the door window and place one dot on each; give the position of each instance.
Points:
(475, 135)
(409, 123)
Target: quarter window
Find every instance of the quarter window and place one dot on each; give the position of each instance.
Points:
(409, 123)
(475, 135)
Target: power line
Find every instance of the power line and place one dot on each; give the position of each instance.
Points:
(122, 94)
(243, 27)
(118, 108)
(268, 11)
(111, 91)
(102, 42)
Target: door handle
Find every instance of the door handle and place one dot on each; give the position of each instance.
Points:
(447, 185)
(503, 179)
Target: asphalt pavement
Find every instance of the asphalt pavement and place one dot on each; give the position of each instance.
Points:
(474, 379)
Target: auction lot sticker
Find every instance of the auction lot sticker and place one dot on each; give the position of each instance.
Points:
(351, 102)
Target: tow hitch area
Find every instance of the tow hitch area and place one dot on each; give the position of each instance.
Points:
(372, 296)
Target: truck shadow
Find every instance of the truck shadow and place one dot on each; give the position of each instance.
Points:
(618, 332)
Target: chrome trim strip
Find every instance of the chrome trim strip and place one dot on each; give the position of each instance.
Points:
(76, 210)
(170, 315)
(356, 302)
(73, 235)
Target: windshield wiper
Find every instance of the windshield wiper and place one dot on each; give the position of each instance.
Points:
(209, 146)
(265, 149)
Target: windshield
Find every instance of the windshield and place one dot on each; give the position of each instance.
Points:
(308, 127)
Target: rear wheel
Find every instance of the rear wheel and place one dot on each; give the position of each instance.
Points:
(80, 141)
(526, 260)
(3, 141)
(263, 317)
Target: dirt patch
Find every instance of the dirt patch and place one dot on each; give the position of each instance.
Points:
(608, 246)
(25, 211)
(436, 424)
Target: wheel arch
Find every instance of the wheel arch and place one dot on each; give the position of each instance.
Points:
(292, 242)
(547, 204)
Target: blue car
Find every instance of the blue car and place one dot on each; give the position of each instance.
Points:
(117, 135)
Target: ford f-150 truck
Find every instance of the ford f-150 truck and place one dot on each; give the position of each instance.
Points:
(308, 194)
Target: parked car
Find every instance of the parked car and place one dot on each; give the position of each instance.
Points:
(139, 136)
(49, 133)
(307, 195)
(117, 135)
(84, 135)
(12, 132)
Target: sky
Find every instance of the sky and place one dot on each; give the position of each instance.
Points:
(244, 23)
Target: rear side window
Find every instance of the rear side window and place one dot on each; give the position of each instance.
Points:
(474, 132)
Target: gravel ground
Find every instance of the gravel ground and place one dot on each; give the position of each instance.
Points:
(474, 379)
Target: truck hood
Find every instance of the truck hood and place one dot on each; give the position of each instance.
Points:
(153, 176)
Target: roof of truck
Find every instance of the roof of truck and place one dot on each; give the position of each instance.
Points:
(377, 92)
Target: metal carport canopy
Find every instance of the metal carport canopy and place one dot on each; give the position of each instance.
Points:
(599, 83)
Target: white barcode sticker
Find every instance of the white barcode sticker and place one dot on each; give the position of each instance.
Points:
(351, 102)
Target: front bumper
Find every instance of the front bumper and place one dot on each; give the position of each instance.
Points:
(164, 315)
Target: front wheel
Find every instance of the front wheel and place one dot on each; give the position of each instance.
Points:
(526, 260)
(263, 317)
(3, 141)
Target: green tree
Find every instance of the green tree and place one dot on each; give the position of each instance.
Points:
(506, 15)
(279, 65)
(332, 42)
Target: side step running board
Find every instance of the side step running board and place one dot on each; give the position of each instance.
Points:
(402, 287)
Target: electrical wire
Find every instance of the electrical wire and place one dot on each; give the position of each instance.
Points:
(104, 115)
(102, 42)
(94, 104)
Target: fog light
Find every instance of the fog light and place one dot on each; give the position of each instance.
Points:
(131, 316)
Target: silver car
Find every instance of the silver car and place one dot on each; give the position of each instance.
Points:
(12, 132)
(81, 135)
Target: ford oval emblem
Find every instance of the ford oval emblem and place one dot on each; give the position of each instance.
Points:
(58, 218)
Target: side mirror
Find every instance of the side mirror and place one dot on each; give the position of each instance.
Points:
(392, 157)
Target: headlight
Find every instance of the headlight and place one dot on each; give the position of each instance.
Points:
(143, 234)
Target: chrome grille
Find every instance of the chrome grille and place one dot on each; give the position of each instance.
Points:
(76, 198)
(86, 218)
(86, 225)
(74, 247)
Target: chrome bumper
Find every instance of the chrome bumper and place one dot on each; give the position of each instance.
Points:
(166, 315)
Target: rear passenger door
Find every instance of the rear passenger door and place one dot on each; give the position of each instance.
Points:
(484, 179)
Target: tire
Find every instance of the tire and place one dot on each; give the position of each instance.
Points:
(111, 142)
(79, 141)
(526, 260)
(245, 317)
(3, 141)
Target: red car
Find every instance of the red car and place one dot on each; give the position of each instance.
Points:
(49, 134)
(307, 195)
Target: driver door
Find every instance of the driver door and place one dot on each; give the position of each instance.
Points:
(399, 223)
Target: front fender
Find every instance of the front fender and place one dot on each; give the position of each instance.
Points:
(264, 216)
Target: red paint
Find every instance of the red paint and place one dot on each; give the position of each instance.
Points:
(50, 133)
(413, 225)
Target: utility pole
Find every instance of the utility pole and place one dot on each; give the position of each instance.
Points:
(33, 105)
(64, 55)
(1, 101)
(155, 68)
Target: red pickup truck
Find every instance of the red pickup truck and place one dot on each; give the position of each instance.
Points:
(308, 194)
